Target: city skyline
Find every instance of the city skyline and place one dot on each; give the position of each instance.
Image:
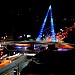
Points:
(27, 16)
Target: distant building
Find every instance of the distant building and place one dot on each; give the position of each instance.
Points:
(7, 37)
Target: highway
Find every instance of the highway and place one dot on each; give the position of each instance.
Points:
(10, 63)
(64, 46)
(5, 62)
(20, 60)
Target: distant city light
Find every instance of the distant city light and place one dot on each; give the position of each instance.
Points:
(0, 45)
(64, 18)
(43, 35)
(2, 37)
(20, 36)
(14, 53)
(65, 27)
(61, 30)
(28, 36)
(6, 36)
(18, 14)
(24, 34)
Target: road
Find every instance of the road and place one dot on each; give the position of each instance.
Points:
(64, 46)
(4, 62)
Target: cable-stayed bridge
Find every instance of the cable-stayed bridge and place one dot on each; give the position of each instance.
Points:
(50, 35)
(43, 25)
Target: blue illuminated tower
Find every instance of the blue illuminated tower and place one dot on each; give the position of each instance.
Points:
(42, 28)
(52, 26)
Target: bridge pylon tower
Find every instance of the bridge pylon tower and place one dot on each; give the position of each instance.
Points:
(52, 26)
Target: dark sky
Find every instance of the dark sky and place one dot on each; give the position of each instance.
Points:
(27, 16)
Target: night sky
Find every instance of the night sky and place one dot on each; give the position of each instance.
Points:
(27, 16)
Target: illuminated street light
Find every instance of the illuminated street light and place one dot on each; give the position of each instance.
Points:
(2, 37)
(6, 36)
(61, 30)
(20, 36)
(24, 34)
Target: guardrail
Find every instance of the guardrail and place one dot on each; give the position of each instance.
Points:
(20, 63)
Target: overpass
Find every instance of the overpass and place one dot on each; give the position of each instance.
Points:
(15, 66)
